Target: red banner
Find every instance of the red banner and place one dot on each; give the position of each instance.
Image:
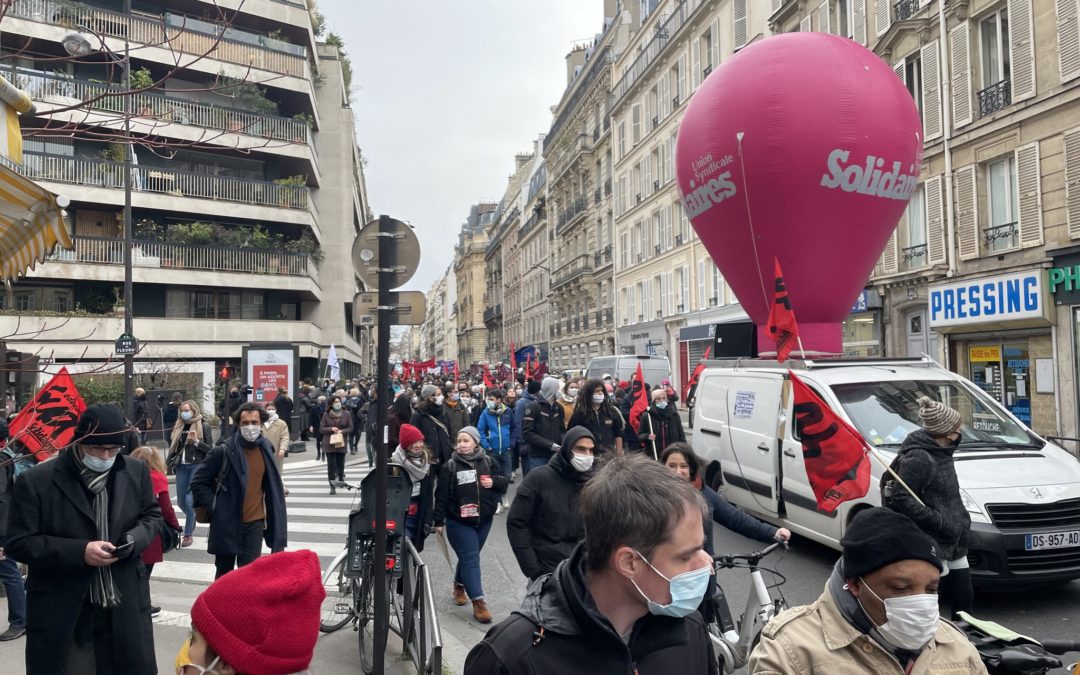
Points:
(47, 423)
(782, 326)
(487, 379)
(640, 397)
(834, 452)
(513, 359)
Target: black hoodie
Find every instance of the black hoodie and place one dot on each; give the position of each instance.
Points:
(544, 525)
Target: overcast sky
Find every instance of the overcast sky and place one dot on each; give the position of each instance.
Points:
(445, 94)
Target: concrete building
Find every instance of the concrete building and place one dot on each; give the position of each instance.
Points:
(578, 160)
(535, 239)
(502, 272)
(668, 292)
(997, 87)
(242, 234)
(468, 267)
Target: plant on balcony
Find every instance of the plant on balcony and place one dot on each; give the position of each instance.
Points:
(306, 119)
(247, 96)
(141, 79)
(291, 198)
(196, 233)
(306, 244)
(146, 229)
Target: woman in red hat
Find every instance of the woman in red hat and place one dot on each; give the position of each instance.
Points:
(413, 454)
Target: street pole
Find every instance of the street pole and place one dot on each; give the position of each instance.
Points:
(129, 359)
(387, 260)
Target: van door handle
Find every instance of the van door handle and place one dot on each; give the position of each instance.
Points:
(763, 447)
(789, 453)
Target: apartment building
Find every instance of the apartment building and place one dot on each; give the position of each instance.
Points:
(241, 234)
(578, 156)
(468, 267)
(438, 335)
(502, 272)
(668, 292)
(535, 238)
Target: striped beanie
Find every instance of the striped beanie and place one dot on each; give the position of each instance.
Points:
(937, 418)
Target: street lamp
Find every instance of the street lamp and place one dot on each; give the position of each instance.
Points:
(79, 45)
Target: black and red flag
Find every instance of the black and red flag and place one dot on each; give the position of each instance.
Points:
(782, 326)
(47, 423)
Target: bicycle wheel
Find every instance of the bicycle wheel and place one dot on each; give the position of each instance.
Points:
(337, 608)
(366, 621)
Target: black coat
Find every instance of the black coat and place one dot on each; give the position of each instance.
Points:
(7, 483)
(544, 525)
(229, 512)
(667, 426)
(284, 406)
(436, 435)
(452, 493)
(139, 411)
(169, 415)
(541, 428)
(425, 508)
(50, 522)
(606, 424)
(577, 639)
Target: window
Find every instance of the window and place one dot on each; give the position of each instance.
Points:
(913, 79)
(61, 301)
(844, 23)
(24, 302)
(682, 283)
(654, 107)
(622, 140)
(913, 255)
(701, 300)
(717, 287)
(662, 288)
(675, 84)
(635, 124)
(994, 38)
(706, 42)
(1002, 233)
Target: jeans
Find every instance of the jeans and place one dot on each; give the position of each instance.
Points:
(335, 466)
(184, 472)
(370, 450)
(16, 593)
(505, 460)
(250, 547)
(529, 463)
(467, 541)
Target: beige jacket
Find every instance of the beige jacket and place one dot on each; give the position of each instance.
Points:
(816, 639)
(277, 432)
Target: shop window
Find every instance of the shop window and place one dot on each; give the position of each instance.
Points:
(1003, 372)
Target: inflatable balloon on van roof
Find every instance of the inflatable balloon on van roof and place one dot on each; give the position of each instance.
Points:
(803, 147)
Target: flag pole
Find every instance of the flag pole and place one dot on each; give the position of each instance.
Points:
(888, 468)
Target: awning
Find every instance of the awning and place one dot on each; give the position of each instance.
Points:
(31, 224)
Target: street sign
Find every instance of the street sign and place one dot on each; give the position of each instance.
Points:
(126, 345)
(365, 253)
(408, 308)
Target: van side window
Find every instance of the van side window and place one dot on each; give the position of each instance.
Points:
(712, 399)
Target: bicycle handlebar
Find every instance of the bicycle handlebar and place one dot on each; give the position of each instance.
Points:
(1060, 646)
(753, 558)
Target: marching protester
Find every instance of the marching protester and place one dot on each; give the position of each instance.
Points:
(10, 576)
(143, 421)
(166, 541)
(263, 618)
(625, 600)
(249, 507)
(568, 398)
(878, 613)
(283, 404)
(306, 403)
(596, 412)
(496, 428)
(277, 433)
(455, 414)
(80, 522)
(428, 418)
(371, 424)
(315, 416)
(355, 405)
(544, 525)
(470, 487)
(188, 447)
(541, 429)
(661, 426)
(400, 413)
(412, 453)
(925, 463)
(519, 401)
(335, 427)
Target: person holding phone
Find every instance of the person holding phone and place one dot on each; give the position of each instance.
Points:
(189, 445)
(80, 523)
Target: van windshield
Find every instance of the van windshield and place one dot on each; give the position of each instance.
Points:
(886, 412)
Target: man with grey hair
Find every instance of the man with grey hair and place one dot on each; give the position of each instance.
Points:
(626, 599)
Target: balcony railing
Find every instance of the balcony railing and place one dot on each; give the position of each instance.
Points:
(602, 258)
(905, 9)
(180, 34)
(101, 173)
(579, 266)
(492, 313)
(995, 97)
(104, 251)
(42, 86)
(913, 257)
(582, 90)
(662, 37)
(576, 208)
(1001, 237)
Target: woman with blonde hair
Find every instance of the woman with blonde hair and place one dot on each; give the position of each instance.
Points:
(155, 552)
(189, 444)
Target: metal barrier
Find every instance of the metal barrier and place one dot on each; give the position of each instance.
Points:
(1061, 440)
(420, 630)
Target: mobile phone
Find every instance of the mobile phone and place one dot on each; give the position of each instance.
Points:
(123, 547)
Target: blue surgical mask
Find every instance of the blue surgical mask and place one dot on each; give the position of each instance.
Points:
(186, 415)
(661, 404)
(687, 590)
(492, 405)
(97, 464)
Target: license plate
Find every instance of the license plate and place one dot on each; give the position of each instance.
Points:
(1041, 542)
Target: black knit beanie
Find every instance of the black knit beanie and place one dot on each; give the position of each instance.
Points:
(878, 537)
(533, 387)
(102, 425)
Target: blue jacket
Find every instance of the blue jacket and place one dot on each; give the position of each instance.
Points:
(734, 519)
(519, 415)
(497, 430)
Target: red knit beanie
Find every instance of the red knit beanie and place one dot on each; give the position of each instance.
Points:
(407, 435)
(264, 617)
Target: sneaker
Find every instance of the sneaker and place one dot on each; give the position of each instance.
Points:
(504, 502)
(12, 633)
(498, 508)
(186, 541)
(154, 611)
(460, 598)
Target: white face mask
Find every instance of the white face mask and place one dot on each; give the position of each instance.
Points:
(98, 464)
(251, 434)
(598, 398)
(572, 392)
(582, 463)
(272, 414)
(438, 400)
(910, 621)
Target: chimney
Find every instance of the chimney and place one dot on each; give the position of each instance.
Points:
(575, 58)
(521, 159)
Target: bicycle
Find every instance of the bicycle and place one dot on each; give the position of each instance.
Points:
(732, 644)
(350, 580)
(1005, 652)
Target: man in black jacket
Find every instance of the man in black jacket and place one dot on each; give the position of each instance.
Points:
(284, 406)
(609, 607)
(542, 427)
(143, 421)
(10, 576)
(544, 525)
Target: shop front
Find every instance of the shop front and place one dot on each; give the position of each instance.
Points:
(644, 338)
(862, 328)
(999, 329)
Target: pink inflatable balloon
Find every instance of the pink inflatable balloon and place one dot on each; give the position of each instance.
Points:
(804, 147)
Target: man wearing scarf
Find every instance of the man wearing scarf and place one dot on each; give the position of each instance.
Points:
(80, 522)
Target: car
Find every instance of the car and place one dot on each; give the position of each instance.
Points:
(655, 369)
(1022, 491)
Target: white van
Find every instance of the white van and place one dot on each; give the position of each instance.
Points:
(1018, 487)
(655, 369)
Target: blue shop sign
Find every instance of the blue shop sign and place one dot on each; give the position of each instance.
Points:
(1008, 297)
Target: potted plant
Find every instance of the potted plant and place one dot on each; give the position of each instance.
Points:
(289, 198)
(306, 119)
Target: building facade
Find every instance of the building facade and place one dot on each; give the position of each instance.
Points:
(469, 272)
(535, 238)
(502, 274)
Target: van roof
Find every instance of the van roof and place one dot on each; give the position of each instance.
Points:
(840, 371)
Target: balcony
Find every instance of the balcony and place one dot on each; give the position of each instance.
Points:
(905, 9)
(596, 196)
(664, 36)
(1001, 237)
(995, 97)
(179, 34)
(603, 257)
(492, 313)
(913, 257)
(104, 251)
(571, 214)
(159, 180)
(156, 107)
(577, 268)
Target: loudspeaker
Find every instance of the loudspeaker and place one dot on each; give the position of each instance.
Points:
(733, 340)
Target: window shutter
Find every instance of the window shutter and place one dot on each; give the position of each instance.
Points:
(1022, 45)
(882, 16)
(931, 93)
(936, 242)
(1028, 183)
(898, 68)
(890, 257)
(967, 213)
(823, 17)
(695, 63)
(1068, 28)
(738, 8)
(1072, 182)
(961, 75)
(664, 104)
(858, 18)
(714, 31)
(804, 25)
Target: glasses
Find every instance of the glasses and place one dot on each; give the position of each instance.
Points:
(102, 451)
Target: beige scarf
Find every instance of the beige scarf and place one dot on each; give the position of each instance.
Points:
(196, 423)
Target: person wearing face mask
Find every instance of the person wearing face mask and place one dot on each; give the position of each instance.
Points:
(596, 412)
(544, 525)
(189, 445)
(925, 463)
(335, 427)
(250, 506)
(455, 414)
(277, 433)
(497, 427)
(568, 398)
(625, 600)
(542, 427)
(662, 426)
(429, 419)
(413, 455)
(263, 618)
(315, 416)
(80, 522)
(878, 614)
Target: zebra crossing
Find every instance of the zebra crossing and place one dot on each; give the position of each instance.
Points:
(316, 520)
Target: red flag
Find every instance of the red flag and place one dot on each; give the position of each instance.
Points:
(641, 398)
(528, 366)
(487, 379)
(697, 373)
(513, 359)
(541, 368)
(835, 453)
(47, 423)
(782, 326)
(457, 375)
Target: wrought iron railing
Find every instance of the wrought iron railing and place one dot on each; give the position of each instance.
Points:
(577, 267)
(492, 313)
(662, 37)
(995, 97)
(1000, 237)
(905, 9)
(569, 215)
(595, 66)
(913, 257)
(603, 257)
